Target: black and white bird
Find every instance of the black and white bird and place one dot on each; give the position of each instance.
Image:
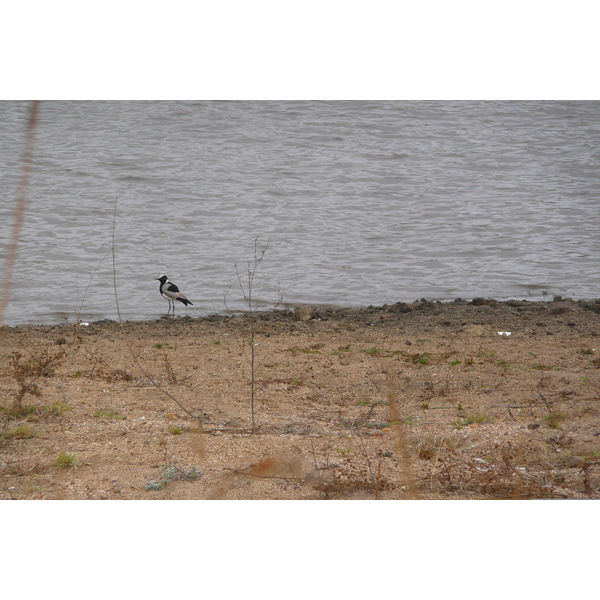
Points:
(170, 292)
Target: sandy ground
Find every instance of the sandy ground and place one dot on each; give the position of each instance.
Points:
(422, 400)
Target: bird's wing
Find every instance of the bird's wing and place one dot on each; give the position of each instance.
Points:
(171, 287)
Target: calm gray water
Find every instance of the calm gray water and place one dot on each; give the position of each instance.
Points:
(363, 203)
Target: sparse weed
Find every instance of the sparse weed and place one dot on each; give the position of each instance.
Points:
(45, 410)
(295, 350)
(505, 365)
(154, 485)
(22, 432)
(371, 425)
(373, 351)
(426, 449)
(64, 459)
(56, 408)
(109, 414)
(469, 420)
(344, 451)
(342, 349)
(112, 375)
(39, 363)
(554, 418)
(420, 359)
(28, 368)
(23, 410)
(171, 377)
(173, 473)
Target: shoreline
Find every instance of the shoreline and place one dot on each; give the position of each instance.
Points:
(306, 312)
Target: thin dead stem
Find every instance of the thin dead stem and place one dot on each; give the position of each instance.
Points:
(248, 297)
(90, 283)
(248, 294)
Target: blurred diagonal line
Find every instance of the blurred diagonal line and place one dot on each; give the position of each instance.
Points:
(19, 208)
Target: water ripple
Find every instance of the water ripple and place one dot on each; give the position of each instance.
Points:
(363, 202)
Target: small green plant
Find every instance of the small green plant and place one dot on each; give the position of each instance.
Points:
(295, 349)
(487, 353)
(55, 408)
(154, 485)
(554, 418)
(455, 362)
(342, 349)
(22, 432)
(344, 451)
(158, 346)
(373, 351)
(420, 359)
(469, 420)
(64, 459)
(310, 350)
(175, 430)
(503, 364)
(20, 410)
(23, 410)
(173, 473)
(383, 425)
(109, 414)
(410, 421)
